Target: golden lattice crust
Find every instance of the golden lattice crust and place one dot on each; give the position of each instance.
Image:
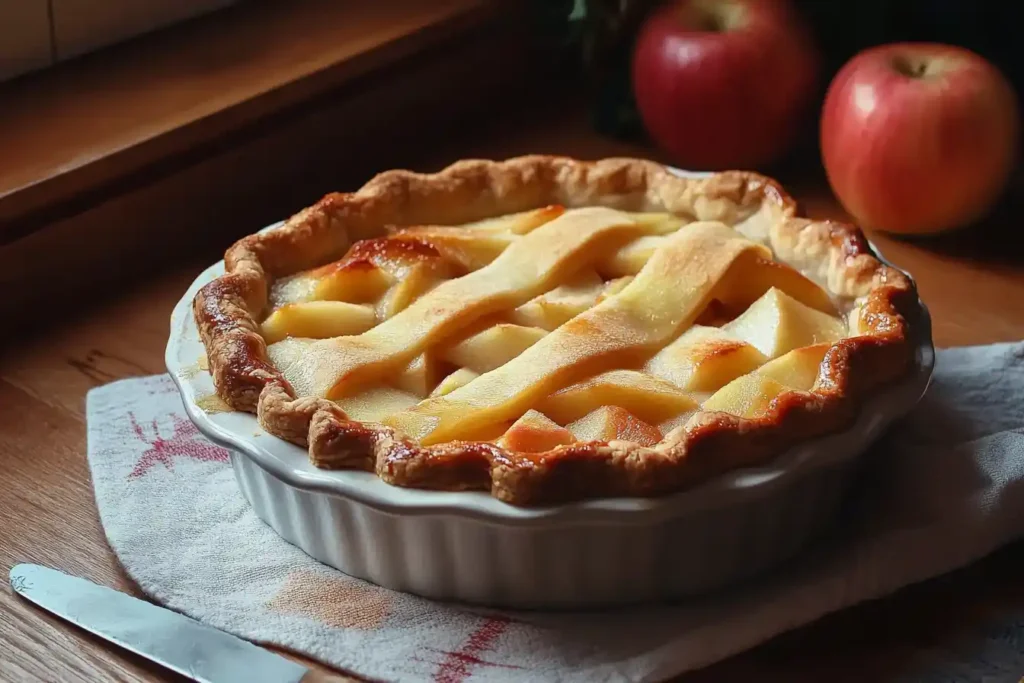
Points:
(228, 311)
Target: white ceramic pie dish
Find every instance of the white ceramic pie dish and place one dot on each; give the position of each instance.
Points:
(471, 547)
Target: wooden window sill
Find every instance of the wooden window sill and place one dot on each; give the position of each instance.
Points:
(178, 143)
(70, 134)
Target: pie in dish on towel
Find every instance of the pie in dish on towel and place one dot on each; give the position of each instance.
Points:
(550, 329)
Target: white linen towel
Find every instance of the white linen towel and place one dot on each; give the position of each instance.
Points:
(944, 487)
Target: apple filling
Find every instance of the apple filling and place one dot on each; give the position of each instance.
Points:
(548, 327)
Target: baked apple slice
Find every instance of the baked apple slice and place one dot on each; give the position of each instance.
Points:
(797, 369)
(649, 398)
(754, 274)
(747, 396)
(317, 320)
(534, 432)
(612, 423)
(374, 405)
(648, 313)
(777, 323)
(704, 359)
(493, 346)
(459, 378)
(422, 375)
(551, 309)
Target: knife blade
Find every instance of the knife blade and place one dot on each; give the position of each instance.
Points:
(199, 652)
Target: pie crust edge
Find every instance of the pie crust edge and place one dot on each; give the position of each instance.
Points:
(227, 309)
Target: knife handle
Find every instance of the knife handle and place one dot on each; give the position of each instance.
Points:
(312, 676)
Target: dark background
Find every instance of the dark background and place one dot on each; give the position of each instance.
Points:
(598, 43)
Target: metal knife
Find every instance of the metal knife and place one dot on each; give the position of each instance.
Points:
(199, 652)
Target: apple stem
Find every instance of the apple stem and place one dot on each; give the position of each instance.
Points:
(712, 23)
(910, 68)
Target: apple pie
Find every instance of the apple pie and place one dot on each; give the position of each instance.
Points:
(548, 329)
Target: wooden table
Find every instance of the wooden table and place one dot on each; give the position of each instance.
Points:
(47, 514)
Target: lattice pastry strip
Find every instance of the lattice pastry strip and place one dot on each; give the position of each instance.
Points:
(645, 315)
(370, 266)
(493, 346)
(473, 375)
(642, 407)
(624, 405)
(530, 266)
(395, 269)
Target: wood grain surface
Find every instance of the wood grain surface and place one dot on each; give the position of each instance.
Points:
(92, 121)
(972, 283)
(199, 198)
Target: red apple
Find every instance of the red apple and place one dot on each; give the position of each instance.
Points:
(918, 138)
(723, 83)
